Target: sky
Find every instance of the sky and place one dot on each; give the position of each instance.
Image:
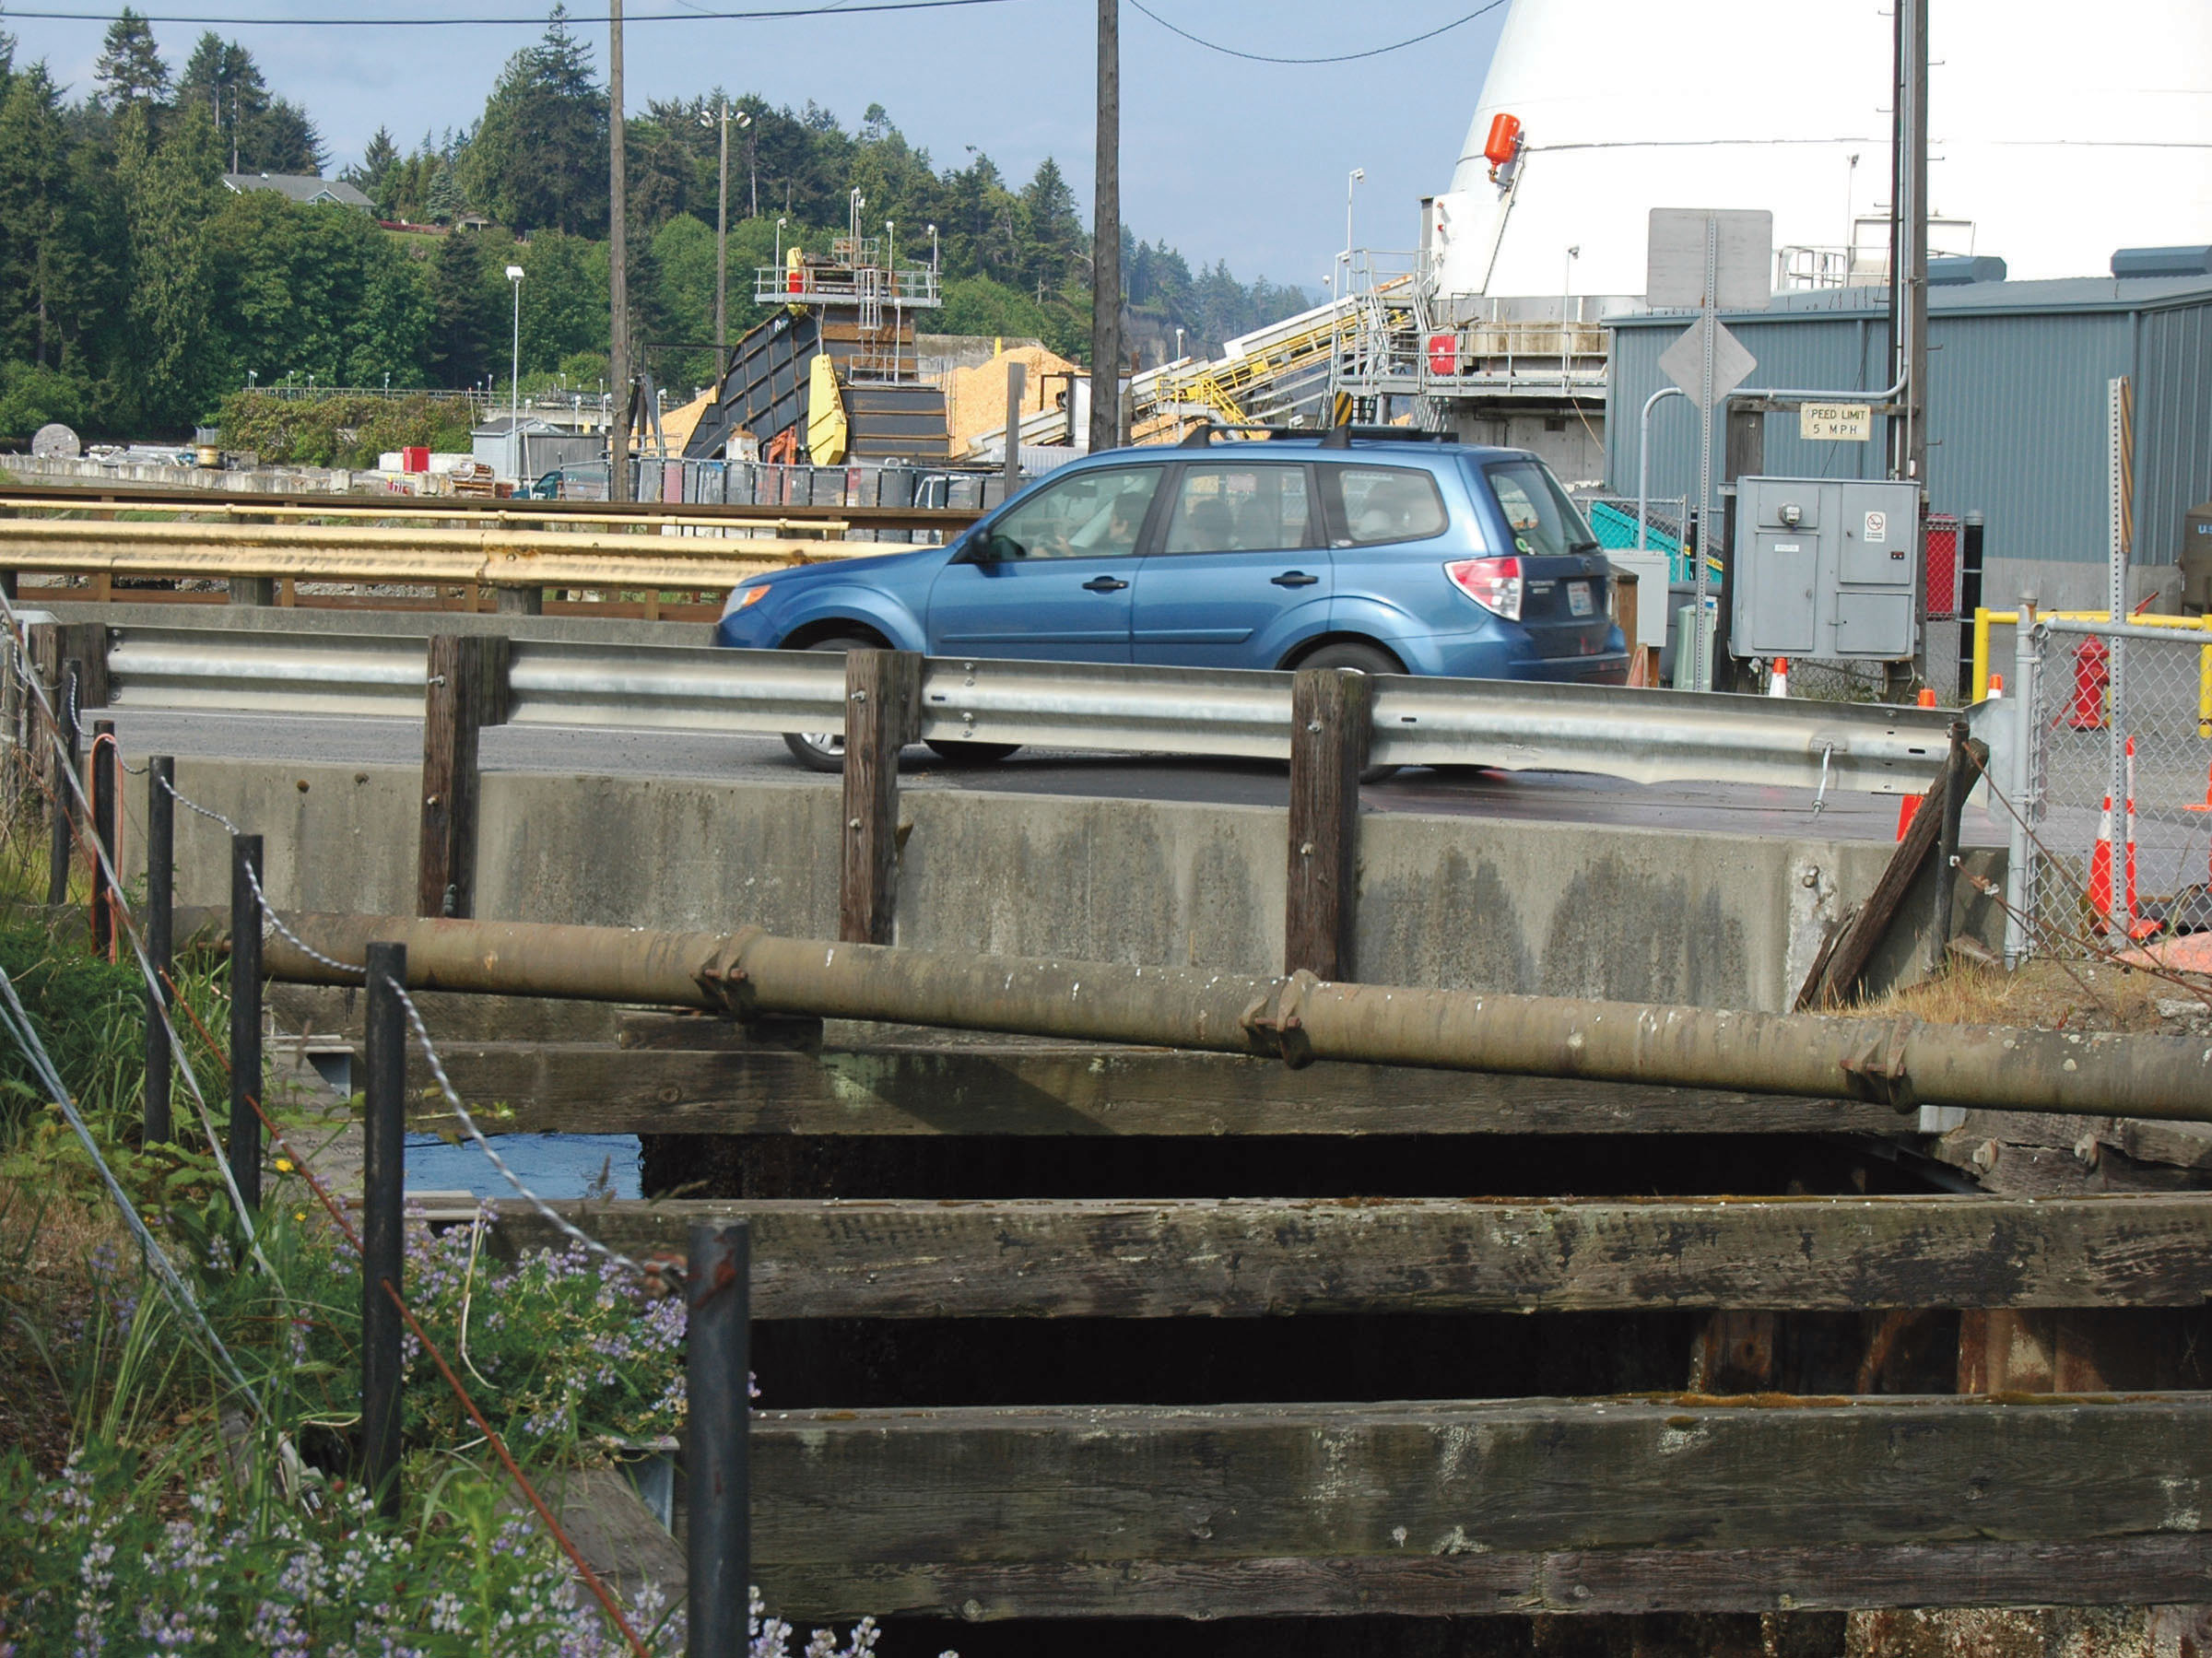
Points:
(1222, 157)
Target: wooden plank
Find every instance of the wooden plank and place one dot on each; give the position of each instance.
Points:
(1330, 719)
(883, 714)
(1268, 1257)
(467, 690)
(2120, 1572)
(1409, 1492)
(1050, 1089)
(1839, 974)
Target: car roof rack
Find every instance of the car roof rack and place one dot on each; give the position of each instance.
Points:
(1201, 435)
(1341, 437)
(1332, 437)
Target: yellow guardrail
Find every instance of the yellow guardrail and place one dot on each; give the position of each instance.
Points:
(1985, 619)
(505, 557)
(450, 509)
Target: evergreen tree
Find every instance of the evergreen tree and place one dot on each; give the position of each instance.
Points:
(442, 202)
(538, 159)
(373, 175)
(1053, 239)
(221, 78)
(168, 193)
(130, 72)
(462, 334)
(282, 139)
(50, 276)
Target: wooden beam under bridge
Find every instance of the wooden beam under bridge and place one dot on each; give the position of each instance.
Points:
(1262, 1257)
(917, 1085)
(1506, 1507)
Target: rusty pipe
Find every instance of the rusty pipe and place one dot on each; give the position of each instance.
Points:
(1903, 1062)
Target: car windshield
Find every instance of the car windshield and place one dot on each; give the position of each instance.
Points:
(1544, 523)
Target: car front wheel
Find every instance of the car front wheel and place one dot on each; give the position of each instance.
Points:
(824, 750)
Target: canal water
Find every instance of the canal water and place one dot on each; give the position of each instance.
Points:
(550, 1165)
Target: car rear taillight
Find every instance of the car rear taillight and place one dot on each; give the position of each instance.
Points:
(1494, 584)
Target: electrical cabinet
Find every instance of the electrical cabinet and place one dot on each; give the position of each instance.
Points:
(1824, 568)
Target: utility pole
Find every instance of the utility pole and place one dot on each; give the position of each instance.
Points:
(618, 261)
(722, 252)
(1106, 239)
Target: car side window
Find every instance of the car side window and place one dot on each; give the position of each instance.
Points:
(1386, 504)
(1241, 510)
(1092, 515)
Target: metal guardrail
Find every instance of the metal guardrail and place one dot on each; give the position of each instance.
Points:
(1645, 736)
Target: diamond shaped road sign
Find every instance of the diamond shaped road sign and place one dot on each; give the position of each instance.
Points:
(1685, 360)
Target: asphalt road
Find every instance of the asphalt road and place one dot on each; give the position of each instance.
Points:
(1527, 796)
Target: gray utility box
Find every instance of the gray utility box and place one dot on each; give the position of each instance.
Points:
(1824, 568)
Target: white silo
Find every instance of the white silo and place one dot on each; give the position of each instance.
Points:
(2058, 132)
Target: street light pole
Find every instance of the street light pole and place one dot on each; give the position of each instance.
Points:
(514, 370)
(1351, 183)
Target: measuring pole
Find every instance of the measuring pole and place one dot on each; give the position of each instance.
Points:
(1708, 323)
(1106, 243)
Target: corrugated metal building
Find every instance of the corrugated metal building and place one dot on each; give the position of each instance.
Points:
(2017, 412)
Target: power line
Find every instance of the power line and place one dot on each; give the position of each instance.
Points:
(1344, 57)
(841, 10)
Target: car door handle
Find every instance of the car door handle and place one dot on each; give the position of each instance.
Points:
(1293, 577)
(1104, 584)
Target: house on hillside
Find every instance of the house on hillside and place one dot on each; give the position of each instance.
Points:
(301, 187)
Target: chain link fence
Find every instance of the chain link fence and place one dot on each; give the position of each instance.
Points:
(2115, 714)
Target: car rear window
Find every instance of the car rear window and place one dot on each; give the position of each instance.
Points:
(1240, 509)
(1387, 503)
(1543, 521)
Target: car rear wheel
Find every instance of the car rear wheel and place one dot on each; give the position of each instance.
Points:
(1360, 659)
(954, 752)
(824, 750)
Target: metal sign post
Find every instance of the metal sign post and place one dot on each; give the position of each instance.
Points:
(1710, 259)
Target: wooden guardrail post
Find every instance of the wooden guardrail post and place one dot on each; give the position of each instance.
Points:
(883, 714)
(466, 691)
(254, 590)
(1330, 718)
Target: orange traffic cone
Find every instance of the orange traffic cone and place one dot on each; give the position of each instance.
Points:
(2129, 831)
(1928, 696)
(1778, 685)
(1996, 688)
(2100, 864)
(1907, 809)
(2207, 805)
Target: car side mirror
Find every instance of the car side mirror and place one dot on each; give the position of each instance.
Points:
(995, 549)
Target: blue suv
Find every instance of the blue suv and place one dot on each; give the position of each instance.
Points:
(1382, 553)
